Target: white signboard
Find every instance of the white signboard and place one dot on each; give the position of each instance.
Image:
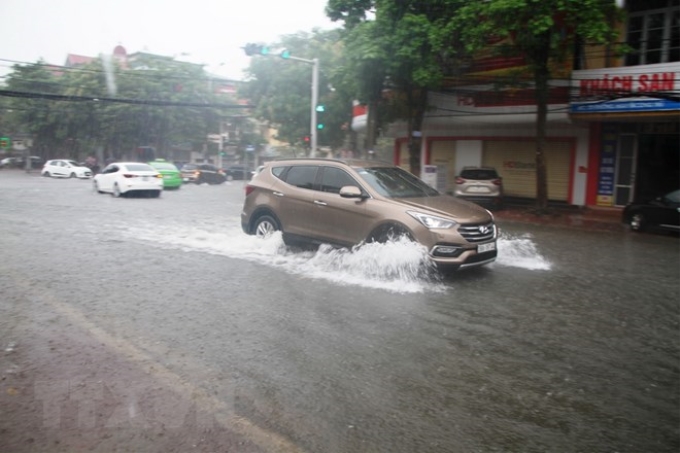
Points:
(429, 175)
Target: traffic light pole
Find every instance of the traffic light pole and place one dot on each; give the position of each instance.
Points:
(315, 100)
(258, 49)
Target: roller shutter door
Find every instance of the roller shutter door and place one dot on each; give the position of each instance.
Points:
(442, 154)
(516, 163)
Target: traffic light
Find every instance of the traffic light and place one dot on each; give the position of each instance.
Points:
(5, 143)
(285, 54)
(306, 139)
(320, 109)
(255, 49)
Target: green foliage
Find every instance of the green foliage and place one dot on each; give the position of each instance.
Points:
(96, 121)
(539, 29)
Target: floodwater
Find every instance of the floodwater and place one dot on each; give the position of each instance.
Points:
(157, 325)
(399, 266)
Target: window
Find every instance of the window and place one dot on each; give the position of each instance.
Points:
(302, 177)
(479, 173)
(334, 179)
(653, 32)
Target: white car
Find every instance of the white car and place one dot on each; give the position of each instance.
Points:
(65, 168)
(123, 178)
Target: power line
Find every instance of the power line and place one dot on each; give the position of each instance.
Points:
(70, 98)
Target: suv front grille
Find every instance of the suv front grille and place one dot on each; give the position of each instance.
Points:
(478, 233)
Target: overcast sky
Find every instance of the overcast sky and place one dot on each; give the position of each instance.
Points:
(210, 32)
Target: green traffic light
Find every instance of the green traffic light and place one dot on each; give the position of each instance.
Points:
(255, 49)
(285, 53)
(320, 108)
(319, 126)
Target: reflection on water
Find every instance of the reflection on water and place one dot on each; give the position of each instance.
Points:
(399, 266)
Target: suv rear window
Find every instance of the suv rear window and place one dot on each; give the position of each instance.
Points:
(302, 176)
(479, 173)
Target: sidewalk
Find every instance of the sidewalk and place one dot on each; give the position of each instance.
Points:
(603, 219)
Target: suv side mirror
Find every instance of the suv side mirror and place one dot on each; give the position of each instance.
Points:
(351, 192)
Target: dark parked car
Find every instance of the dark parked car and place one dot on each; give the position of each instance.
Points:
(202, 174)
(20, 162)
(237, 172)
(660, 213)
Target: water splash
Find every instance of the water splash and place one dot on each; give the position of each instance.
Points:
(400, 266)
(520, 251)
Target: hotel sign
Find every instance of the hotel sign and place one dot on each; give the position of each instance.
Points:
(629, 89)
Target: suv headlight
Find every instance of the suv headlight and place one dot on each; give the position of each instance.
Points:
(432, 221)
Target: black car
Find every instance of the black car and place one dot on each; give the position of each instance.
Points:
(660, 213)
(20, 162)
(202, 174)
(237, 172)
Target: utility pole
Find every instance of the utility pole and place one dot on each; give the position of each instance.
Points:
(252, 49)
(313, 131)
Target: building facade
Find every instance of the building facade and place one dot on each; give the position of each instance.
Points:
(613, 124)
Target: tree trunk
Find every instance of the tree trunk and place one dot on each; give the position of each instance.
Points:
(417, 105)
(541, 78)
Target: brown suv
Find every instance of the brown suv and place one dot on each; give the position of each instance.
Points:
(347, 203)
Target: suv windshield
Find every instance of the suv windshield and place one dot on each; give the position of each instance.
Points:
(393, 182)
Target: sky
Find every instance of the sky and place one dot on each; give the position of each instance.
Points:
(209, 32)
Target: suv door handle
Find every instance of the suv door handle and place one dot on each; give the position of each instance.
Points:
(278, 194)
(320, 203)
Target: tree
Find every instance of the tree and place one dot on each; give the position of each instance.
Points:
(544, 32)
(397, 46)
(33, 115)
(70, 111)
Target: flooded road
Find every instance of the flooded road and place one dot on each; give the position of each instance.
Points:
(157, 325)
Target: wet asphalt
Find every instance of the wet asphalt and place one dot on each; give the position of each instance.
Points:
(157, 325)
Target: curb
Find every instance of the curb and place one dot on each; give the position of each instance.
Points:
(586, 220)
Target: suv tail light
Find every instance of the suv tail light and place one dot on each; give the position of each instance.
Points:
(497, 182)
(249, 189)
(459, 180)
